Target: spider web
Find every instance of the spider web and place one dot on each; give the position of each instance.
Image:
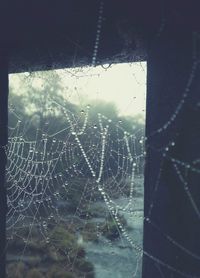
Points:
(75, 189)
(81, 180)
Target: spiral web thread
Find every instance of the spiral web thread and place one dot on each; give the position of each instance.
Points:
(91, 154)
(40, 174)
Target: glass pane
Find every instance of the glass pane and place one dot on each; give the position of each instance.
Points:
(75, 172)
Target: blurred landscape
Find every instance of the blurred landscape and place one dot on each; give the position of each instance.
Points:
(75, 185)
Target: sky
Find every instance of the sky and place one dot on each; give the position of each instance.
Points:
(122, 84)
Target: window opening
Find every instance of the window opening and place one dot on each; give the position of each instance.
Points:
(75, 172)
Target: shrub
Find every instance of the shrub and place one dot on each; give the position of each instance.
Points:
(34, 273)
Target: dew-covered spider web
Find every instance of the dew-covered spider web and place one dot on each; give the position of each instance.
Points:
(75, 172)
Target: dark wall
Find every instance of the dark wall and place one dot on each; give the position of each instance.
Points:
(62, 33)
(171, 226)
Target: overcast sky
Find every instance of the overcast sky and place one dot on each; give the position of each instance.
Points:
(122, 84)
